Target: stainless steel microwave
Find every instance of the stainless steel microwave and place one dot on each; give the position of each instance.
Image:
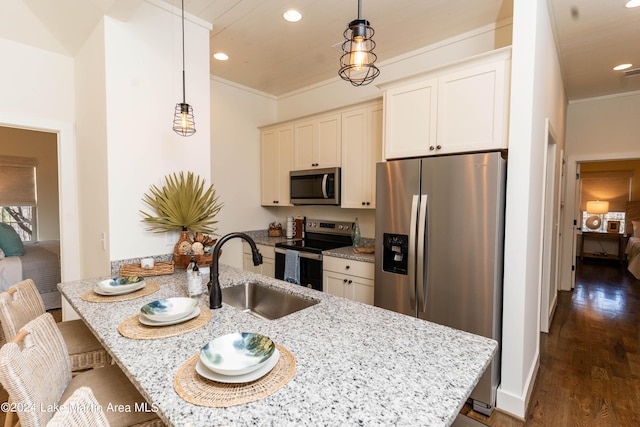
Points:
(315, 187)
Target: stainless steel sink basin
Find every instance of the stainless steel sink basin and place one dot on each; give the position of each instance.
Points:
(262, 301)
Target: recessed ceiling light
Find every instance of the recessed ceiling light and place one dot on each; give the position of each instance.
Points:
(220, 56)
(622, 67)
(292, 15)
(633, 3)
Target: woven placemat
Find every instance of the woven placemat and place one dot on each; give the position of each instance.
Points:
(204, 392)
(148, 289)
(132, 328)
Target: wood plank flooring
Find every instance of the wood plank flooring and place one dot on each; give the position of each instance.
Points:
(590, 361)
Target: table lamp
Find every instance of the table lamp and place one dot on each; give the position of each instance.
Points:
(595, 208)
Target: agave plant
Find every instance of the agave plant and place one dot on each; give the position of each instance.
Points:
(182, 204)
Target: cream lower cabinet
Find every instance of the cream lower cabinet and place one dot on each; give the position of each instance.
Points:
(349, 279)
(361, 150)
(268, 266)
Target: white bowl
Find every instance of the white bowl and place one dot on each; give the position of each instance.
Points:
(263, 369)
(237, 354)
(168, 309)
(120, 284)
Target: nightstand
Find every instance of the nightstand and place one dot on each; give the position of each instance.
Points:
(603, 236)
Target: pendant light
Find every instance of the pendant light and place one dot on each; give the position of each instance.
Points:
(356, 62)
(183, 123)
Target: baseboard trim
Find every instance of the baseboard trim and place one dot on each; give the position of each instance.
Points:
(516, 405)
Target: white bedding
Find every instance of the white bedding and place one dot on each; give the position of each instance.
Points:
(633, 256)
(10, 272)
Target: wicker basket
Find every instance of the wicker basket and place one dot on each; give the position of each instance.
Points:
(183, 260)
(159, 268)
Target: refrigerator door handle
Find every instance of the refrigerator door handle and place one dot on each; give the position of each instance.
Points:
(423, 253)
(422, 256)
(415, 204)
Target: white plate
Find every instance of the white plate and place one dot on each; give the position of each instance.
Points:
(119, 284)
(237, 353)
(128, 290)
(263, 370)
(168, 309)
(195, 313)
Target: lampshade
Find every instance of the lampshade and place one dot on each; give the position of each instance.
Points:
(356, 62)
(597, 207)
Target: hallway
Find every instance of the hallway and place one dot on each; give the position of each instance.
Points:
(589, 372)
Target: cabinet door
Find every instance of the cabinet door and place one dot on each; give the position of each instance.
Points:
(361, 150)
(268, 168)
(304, 145)
(276, 158)
(247, 264)
(329, 141)
(317, 143)
(471, 109)
(268, 267)
(334, 284)
(359, 289)
(410, 120)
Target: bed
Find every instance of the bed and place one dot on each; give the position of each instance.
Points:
(41, 263)
(632, 229)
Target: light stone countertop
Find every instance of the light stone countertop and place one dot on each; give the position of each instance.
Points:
(356, 364)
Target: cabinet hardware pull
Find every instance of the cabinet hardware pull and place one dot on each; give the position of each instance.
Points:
(350, 281)
(348, 267)
(438, 146)
(431, 148)
(344, 281)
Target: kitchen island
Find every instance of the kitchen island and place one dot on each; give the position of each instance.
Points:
(355, 364)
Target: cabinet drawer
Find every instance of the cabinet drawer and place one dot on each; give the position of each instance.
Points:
(347, 266)
(266, 251)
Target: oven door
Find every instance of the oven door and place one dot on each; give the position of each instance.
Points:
(310, 268)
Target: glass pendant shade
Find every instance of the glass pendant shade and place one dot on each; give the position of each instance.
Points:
(357, 60)
(183, 123)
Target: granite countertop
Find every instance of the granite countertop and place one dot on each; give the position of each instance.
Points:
(261, 237)
(356, 364)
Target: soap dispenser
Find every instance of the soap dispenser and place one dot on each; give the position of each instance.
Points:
(355, 235)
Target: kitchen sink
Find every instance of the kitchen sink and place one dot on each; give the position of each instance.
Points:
(263, 301)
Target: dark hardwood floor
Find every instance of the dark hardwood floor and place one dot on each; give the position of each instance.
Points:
(590, 360)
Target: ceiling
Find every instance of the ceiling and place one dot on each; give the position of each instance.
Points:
(277, 57)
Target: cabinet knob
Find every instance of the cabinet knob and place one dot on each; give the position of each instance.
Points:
(275, 201)
(350, 281)
(344, 281)
(368, 203)
(438, 147)
(431, 148)
(364, 203)
(348, 267)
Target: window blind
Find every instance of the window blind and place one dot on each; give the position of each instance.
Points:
(613, 186)
(17, 181)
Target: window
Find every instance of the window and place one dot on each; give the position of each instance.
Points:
(18, 195)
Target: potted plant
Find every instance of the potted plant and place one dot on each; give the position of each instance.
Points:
(183, 203)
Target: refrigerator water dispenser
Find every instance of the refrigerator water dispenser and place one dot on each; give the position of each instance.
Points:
(395, 254)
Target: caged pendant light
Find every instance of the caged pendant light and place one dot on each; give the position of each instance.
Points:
(183, 123)
(356, 62)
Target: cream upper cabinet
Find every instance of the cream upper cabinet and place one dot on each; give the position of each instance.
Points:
(410, 119)
(361, 150)
(461, 108)
(276, 160)
(317, 142)
(471, 109)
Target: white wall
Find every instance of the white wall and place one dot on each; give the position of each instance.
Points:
(537, 93)
(236, 114)
(38, 93)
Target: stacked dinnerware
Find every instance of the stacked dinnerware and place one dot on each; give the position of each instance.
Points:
(119, 285)
(169, 311)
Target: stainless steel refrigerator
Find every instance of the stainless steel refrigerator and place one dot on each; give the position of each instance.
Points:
(439, 246)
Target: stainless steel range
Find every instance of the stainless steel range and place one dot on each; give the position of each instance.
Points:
(319, 235)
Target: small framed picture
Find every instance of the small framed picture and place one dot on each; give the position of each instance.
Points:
(613, 226)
